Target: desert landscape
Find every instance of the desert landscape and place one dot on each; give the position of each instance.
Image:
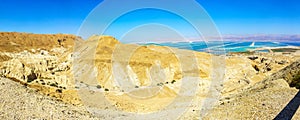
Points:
(60, 76)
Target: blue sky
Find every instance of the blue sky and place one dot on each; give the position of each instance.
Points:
(230, 16)
(255, 16)
(44, 16)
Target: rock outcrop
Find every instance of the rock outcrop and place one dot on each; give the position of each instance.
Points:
(38, 61)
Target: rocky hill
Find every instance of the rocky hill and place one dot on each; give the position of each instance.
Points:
(76, 71)
(264, 99)
(18, 42)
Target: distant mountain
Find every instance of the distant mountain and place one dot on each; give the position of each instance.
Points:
(261, 37)
(232, 37)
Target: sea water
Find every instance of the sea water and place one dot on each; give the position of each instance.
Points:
(226, 46)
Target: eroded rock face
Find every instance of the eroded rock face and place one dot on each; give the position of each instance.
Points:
(31, 67)
(243, 71)
(291, 74)
(39, 62)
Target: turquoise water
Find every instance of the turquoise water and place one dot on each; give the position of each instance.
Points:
(226, 46)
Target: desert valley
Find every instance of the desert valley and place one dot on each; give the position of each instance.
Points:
(59, 76)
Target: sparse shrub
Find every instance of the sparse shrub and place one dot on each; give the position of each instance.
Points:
(256, 68)
(173, 81)
(51, 68)
(59, 90)
(160, 84)
(31, 77)
(253, 58)
(54, 84)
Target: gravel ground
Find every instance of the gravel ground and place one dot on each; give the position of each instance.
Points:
(18, 102)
